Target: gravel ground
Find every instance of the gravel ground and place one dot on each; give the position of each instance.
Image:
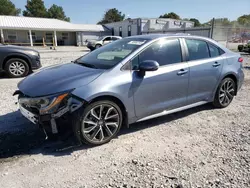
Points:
(200, 147)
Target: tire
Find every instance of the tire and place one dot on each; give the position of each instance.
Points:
(16, 68)
(225, 93)
(98, 46)
(93, 130)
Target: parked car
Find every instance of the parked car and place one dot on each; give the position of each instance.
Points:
(18, 61)
(244, 48)
(94, 44)
(131, 80)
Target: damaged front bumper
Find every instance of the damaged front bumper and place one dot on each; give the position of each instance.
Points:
(48, 109)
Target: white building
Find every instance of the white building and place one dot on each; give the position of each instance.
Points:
(30, 31)
(44, 31)
(140, 26)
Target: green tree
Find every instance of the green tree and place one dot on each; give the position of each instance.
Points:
(57, 12)
(35, 8)
(8, 8)
(112, 15)
(171, 15)
(196, 22)
(244, 20)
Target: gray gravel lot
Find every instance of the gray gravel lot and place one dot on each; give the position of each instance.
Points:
(200, 147)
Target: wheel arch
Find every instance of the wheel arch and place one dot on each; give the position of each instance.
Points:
(18, 56)
(98, 44)
(235, 79)
(115, 100)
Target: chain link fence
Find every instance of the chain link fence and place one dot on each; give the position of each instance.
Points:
(230, 34)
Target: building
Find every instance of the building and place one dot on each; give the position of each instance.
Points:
(140, 26)
(29, 31)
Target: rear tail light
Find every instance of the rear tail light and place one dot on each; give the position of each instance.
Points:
(240, 59)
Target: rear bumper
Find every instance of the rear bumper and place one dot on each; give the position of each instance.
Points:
(241, 79)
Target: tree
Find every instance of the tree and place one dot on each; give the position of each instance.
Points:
(196, 22)
(57, 12)
(171, 15)
(35, 8)
(112, 15)
(8, 8)
(244, 20)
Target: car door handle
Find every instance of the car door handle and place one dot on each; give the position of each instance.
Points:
(216, 64)
(182, 72)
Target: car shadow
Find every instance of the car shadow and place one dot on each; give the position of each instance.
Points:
(246, 67)
(32, 141)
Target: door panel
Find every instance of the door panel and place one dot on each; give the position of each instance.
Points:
(106, 40)
(160, 90)
(205, 65)
(204, 76)
(165, 88)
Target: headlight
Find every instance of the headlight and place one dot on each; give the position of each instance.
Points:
(45, 105)
(34, 53)
(53, 105)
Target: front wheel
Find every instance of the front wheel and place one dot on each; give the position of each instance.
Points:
(98, 123)
(16, 68)
(225, 93)
(98, 46)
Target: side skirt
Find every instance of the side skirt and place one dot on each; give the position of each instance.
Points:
(166, 112)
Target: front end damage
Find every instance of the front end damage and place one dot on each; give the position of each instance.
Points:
(48, 110)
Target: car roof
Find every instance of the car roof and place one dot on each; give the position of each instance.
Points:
(180, 35)
(155, 36)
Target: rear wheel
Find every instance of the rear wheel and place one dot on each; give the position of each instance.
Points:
(98, 123)
(225, 93)
(16, 68)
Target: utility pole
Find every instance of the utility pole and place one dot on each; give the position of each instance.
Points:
(212, 28)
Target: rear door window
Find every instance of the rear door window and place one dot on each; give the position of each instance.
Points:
(214, 51)
(107, 39)
(197, 49)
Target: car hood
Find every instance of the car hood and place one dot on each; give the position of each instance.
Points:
(58, 79)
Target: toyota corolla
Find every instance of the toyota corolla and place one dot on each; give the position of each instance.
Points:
(131, 80)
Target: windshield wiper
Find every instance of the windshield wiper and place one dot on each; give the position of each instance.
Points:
(85, 64)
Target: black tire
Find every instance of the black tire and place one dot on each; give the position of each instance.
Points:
(98, 46)
(81, 115)
(220, 100)
(24, 71)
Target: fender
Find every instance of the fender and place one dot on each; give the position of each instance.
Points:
(15, 54)
(221, 78)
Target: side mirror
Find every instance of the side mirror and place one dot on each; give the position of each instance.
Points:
(149, 65)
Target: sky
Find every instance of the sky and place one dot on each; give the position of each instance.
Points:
(91, 11)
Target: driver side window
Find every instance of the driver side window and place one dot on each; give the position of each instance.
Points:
(107, 39)
(164, 51)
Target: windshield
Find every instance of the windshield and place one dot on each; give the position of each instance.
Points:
(111, 54)
(100, 38)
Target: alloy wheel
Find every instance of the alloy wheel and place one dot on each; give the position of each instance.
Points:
(100, 123)
(226, 92)
(17, 68)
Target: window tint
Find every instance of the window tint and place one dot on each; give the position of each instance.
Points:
(107, 39)
(115, 38)
(164, 51)
(197, 49)
(214, 51)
